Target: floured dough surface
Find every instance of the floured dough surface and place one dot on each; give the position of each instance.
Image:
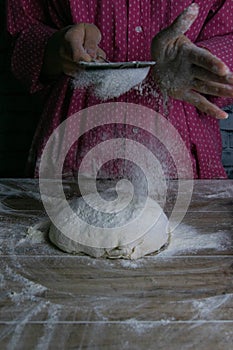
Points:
(106, 231)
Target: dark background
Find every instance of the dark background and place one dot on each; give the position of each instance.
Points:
(227, 141)
(19, 113)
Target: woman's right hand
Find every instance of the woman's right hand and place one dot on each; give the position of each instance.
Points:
(188, 72)
(68, 46)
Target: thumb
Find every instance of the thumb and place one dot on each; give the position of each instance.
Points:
(92, 39)
(184, 21)
(74, 39)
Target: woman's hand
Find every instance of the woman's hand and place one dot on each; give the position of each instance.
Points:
(186, 71)
(70, 45)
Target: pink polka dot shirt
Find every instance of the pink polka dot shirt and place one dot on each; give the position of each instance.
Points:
(127, 29)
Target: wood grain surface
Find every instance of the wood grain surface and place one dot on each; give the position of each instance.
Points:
(181, 298)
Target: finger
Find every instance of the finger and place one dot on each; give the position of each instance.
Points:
(184, 21)
(91, 40)
(201, 103)
(203, 58)
(212, 88)
(74, 41)
(100, 55)
(206, 75)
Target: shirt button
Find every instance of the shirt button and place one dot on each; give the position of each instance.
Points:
(138, 29)
(135, 130)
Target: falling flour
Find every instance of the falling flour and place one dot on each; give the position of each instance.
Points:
(109, 83)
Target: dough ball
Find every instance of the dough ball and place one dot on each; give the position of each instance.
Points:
(114, 230)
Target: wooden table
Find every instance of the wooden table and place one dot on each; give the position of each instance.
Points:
(181, 298)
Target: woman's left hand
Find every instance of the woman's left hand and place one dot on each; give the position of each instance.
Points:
(186, 71)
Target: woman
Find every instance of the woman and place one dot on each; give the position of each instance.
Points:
(52, 36)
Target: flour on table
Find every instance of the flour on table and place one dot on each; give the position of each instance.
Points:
(149, 242)
(37, 233)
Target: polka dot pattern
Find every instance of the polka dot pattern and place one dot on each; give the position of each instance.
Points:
(127, 29)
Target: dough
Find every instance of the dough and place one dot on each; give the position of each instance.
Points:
(107, 232)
